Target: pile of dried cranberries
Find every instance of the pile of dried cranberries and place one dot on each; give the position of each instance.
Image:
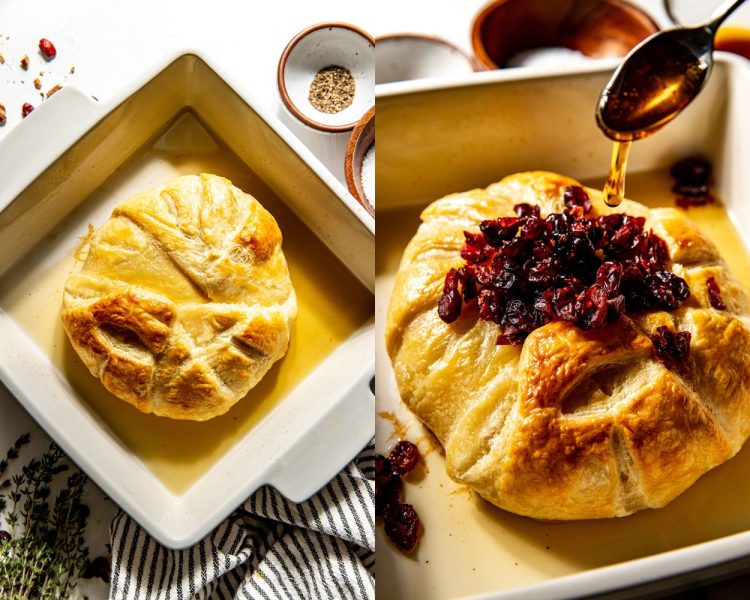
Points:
(400, 520)
(523, 272)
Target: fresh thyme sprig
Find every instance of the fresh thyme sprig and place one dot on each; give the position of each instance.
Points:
(44, 551)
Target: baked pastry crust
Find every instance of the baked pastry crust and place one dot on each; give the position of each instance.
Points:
(573, 424)
(184, 301)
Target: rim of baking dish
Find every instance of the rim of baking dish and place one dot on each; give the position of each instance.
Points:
(84, 115)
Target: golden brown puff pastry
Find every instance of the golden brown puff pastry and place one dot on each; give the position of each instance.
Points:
(573, 424)
(184, 300)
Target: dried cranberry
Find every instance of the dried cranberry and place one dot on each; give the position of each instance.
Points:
(671, 347)
(692, 182)
(575, 195)
(714, 294)
(47, 49)
(402, 526)
(496, 231)
(404, 457)
(388, 485)
(449, 307)
(26, 109)
(691, 170)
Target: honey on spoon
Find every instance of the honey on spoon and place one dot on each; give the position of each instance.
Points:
(652, 85)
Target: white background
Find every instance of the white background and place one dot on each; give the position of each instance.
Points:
(111, 42)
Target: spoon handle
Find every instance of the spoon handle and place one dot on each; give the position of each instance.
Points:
(721, 13)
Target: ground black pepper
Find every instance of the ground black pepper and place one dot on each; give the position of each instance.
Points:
(332, 89)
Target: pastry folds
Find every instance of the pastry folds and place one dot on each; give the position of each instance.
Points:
(573, 424)
(184, 300)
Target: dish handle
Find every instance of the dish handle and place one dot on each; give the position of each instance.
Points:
(330, 445)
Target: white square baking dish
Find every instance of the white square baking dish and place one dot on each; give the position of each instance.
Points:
(438, 138)
(64, 168)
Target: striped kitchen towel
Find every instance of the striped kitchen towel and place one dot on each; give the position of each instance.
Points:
(269, 548)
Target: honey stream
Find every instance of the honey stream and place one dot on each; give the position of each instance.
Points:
(614, 188)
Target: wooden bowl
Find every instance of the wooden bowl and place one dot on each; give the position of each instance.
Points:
(362, 138)
(596, 28)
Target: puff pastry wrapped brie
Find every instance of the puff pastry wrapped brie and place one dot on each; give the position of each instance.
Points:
(184, 300)
(573, 424)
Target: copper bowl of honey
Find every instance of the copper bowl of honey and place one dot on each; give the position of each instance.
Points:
(595, 28)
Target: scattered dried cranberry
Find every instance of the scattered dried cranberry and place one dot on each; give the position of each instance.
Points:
(47, 49)
(4, 536)
(26, 109)
(523, 272)
(388, 485)
(404, 457)
(401, 521)
(402, 526)
(671, 347)
(691, 170)
(714, 294)
(692, 182)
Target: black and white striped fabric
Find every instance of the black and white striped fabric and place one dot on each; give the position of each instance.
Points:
(270, 548)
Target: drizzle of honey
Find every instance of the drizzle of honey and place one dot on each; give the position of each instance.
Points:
(653, 86)
(614, 188)
(733, 39)
(332, 305)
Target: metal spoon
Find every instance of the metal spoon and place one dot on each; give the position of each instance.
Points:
(658, 78)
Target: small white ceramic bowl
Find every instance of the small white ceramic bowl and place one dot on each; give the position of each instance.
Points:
(320, 46)
(404, 56)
